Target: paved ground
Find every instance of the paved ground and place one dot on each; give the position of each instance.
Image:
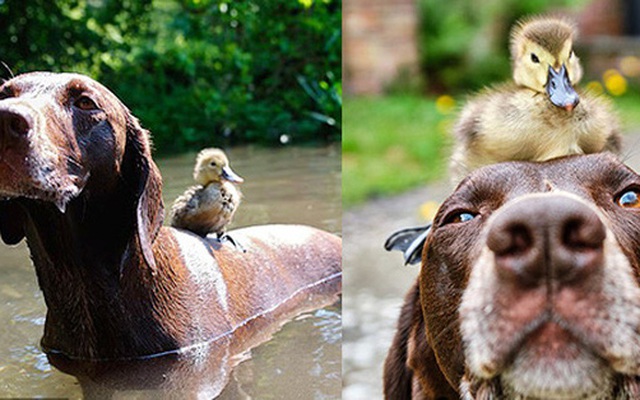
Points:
(375, 281)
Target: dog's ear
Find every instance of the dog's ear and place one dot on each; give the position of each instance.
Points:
(12, 219)
(145, 182)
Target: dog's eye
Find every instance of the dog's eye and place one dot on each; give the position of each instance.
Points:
(459, 217)
(85, 103)
(6, 93)
(463, 217)
(629, 199)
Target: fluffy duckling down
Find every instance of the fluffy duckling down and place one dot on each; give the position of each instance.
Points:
(536, 117)
(209, 206)
(539, 115)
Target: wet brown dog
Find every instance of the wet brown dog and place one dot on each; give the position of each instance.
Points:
(529, 288)
(78, 181)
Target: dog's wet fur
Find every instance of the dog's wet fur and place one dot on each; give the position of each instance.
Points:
(78, 182)
(529, 288)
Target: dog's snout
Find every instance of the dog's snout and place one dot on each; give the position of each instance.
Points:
(546, 238)
(14, 124)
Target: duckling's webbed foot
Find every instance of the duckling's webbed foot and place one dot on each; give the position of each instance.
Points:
(223, 237)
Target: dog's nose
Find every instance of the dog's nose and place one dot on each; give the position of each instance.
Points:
(13, 124)
(548, 238)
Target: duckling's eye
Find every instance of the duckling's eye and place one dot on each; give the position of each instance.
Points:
(459, 217)
(212, 163)
(629, 199)
(535, 58)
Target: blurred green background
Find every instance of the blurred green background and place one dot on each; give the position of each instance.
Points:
(400, 139)
(196, 72)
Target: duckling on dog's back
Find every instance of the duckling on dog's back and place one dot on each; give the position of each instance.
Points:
(209, 206)
(539, 115)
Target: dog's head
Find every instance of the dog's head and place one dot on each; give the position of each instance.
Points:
(66, 135)
(530, 281)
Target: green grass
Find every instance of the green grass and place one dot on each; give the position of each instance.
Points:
(628, 106)
(391, 144)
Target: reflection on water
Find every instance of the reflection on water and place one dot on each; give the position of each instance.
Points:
(302, 361)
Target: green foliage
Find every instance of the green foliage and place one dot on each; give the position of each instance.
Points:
(61, 35)
(197, 72)
(464, 44)
(391, 144)
(395, 143)
(628, 107)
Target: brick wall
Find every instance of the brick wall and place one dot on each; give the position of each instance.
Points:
(379, 42)
(603, 40)
(601, 17)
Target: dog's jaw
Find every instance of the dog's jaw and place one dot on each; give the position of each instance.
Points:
(576, 343)
(580, 374)
(31, 165)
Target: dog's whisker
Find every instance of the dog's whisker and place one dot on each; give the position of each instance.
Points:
(630, 151)
(443, 334)
(117, 283)
(540, 314)
(8, 70)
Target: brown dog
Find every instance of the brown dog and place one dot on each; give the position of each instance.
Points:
(77, 180)
(529, 288)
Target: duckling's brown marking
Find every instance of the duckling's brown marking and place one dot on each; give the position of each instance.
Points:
(550, 34)
(210, 206)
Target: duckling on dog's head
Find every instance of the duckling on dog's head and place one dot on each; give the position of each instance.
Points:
(544, 60)
(212, 165)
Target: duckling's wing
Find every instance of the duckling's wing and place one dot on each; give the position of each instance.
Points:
(187, 201)
(185, 209)
(410, 242)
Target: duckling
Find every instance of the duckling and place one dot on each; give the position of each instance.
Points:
(536, 117)
(539, 115)
(209, 206)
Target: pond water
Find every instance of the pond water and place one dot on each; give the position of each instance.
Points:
(301, 361)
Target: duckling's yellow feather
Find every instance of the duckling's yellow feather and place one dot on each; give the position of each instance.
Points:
(518, 120)
(549, 33)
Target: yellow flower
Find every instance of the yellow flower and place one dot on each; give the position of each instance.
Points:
(595, 87)
(615, 83)
(428, 210)
(445, 104)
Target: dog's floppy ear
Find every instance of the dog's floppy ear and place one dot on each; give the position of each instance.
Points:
(144, 180)
(12, 219)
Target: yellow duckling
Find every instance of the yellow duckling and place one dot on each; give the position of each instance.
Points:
(539, 115)
(536, 117)
(209, 206)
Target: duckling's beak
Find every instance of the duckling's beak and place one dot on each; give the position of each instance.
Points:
(559, 89)
(228, 174)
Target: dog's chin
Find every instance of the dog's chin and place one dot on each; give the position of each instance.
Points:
(544, 372)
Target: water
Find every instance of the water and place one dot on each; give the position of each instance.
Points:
(302, 360)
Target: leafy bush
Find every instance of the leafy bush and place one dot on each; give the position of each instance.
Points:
(197, 72)
(464, 44)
